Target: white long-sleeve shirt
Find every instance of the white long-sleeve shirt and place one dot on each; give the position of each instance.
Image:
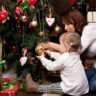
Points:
(88, 40)
(74, 81)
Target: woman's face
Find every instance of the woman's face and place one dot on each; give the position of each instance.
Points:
(68, 27)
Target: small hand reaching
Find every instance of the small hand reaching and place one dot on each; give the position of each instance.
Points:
(48, 52)
(41, 56)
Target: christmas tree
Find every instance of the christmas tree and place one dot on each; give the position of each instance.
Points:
(24, 23)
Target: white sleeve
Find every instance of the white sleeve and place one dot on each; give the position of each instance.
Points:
(53, 65)
(55, 55)
(88, 37)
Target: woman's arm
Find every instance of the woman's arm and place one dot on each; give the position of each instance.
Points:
(51, 45)
(88, 37)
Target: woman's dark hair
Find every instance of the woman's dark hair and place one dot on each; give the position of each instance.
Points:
(73, 16)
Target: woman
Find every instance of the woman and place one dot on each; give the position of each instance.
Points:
(74, 21)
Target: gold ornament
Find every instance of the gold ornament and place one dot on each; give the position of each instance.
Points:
(34, 23)
(41, 33)
(4, 21)
(58, 29)
(39, 49)
(24, 18)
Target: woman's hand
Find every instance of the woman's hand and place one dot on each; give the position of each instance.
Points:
(45, 45)
(50, 46)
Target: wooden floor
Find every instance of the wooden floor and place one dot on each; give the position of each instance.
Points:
(22, 93)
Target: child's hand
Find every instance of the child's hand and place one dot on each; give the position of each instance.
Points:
(39, 57)
(48, 52)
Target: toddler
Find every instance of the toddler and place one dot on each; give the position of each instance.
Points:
(67, 61)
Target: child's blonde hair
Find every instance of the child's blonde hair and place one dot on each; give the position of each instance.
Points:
(72, 39)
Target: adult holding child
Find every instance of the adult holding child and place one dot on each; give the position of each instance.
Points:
(74, 21)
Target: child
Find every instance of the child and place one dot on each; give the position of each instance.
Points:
(74, 81)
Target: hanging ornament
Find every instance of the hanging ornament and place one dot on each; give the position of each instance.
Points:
(13, 48)
(45, 5)
(57, 29)
(41, 34)
(24, 18)
(50, 21)
(23, 60)
(16, 18)
(39, 49)
(3, 14)
(32, 2)
(25, 52)
(34, 23)
(29, 26)
(4, 21)
(4, 42)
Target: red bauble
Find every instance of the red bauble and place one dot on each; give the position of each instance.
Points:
(13, 48)
(45, 5)
(3, 15)
(29, 27)
(16, 18)
(32, 2)
(4, 42)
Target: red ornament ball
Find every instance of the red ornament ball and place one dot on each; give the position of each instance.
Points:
(16, 18)
(32, 2)
(45, 5)
(4, 42)
(13, 48)
(29, 26)
(3, 15)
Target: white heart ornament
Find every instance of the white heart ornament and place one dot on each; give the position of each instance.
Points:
(50, 21)
(23, 60)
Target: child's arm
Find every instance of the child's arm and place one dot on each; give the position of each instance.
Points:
(53, 65)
